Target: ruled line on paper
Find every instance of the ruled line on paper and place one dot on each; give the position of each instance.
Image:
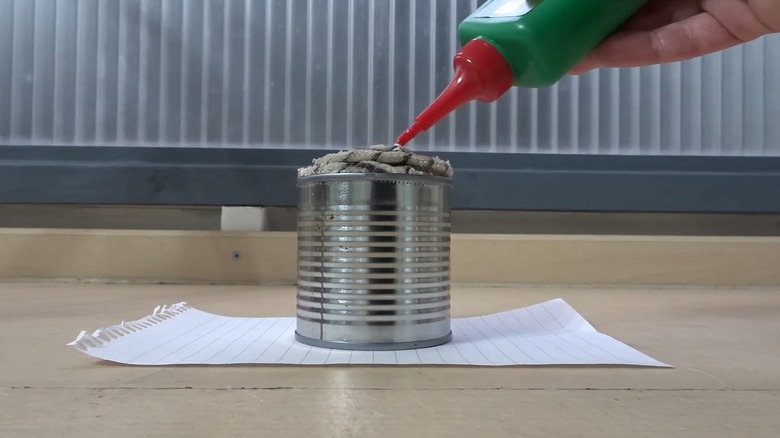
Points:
(514, 340)
(177, 336)
(557, 335)
(235, 340)
(577, 335)
(550, 346)
(501, 351)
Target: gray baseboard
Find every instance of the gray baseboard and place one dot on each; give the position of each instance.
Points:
(483, 181)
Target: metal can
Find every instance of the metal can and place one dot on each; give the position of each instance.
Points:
(373, 261)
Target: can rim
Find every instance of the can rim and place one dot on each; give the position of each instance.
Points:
(374, 346)
(380, 177)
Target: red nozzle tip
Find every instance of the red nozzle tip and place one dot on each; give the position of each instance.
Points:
(408, 135)
(481, 73)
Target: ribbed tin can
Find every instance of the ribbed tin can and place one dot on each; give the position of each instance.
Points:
(373, 261)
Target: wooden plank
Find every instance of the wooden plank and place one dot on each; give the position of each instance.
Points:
(270, 257)
(648, 260)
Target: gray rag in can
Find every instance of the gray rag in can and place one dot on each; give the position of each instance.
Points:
(378, 159)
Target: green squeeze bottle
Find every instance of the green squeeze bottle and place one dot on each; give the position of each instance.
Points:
(525, 43)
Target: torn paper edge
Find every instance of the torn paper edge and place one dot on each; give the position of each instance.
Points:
(87, 341)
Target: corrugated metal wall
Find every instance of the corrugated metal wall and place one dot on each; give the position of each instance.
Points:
(336, 73)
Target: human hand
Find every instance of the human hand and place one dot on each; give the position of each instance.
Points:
(676, 30)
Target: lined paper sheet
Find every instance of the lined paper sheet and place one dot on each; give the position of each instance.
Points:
(550, 333)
